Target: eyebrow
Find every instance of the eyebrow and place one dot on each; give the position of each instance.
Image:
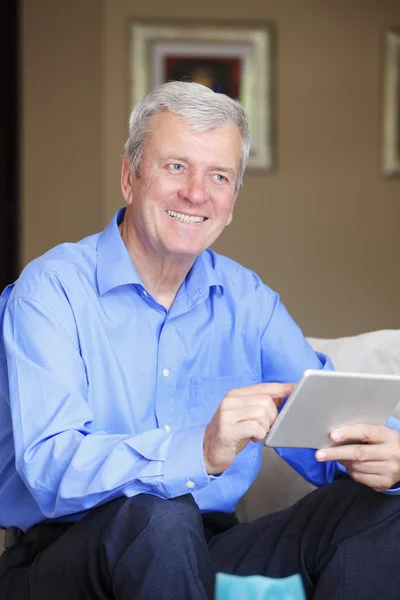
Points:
(186, 159)
(223, 169)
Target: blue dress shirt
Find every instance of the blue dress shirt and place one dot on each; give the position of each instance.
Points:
(104, 393)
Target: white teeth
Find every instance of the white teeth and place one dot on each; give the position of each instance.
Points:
(184, 218)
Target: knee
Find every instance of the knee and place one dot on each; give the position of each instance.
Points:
(164, 517)
(168, 516)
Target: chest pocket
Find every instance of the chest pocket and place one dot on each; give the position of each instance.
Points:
(206, 394)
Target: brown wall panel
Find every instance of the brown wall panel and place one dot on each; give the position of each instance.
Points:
(322, 227)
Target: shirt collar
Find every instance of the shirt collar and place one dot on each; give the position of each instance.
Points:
(115, 266)
(202, 276)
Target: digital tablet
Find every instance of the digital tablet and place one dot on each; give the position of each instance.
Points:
(325, 400)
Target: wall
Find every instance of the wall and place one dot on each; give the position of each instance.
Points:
(322, 228)
(61, 122)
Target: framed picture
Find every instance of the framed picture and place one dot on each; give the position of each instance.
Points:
(391, 104)
(233, 60)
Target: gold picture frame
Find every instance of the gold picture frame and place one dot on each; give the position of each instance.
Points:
(235, 59)
(391, 104)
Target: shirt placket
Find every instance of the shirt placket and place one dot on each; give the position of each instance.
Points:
(166, 383)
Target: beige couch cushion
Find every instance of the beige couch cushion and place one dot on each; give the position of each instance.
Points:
(277, 485)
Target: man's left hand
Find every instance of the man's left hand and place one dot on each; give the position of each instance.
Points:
(375, 462)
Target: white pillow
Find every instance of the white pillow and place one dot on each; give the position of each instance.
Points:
(373, 352)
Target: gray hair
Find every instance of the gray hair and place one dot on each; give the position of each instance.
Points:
(197, 104)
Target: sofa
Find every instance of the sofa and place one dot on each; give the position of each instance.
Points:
(277, 485)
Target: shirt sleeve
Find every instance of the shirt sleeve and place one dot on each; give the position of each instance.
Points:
(65, 463)
(285, 355)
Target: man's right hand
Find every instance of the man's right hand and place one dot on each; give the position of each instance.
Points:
(244, 414)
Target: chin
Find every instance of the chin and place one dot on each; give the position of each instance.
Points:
(185, 251)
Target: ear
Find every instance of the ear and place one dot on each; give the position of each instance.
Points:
(126, 181)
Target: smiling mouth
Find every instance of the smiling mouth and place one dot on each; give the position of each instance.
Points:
(182, 218)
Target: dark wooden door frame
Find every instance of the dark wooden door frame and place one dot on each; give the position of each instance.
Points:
(9, 141)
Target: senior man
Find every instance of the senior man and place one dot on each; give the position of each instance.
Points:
(141, 372)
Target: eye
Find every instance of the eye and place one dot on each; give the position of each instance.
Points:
(175, 167)
(220, 177)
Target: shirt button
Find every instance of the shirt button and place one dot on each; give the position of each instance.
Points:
(167, 428)
(190, 484)
(165, 372)
(144, 293)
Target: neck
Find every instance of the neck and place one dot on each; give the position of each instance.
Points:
(161, 276)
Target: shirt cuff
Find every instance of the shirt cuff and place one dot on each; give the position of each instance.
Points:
(394, 490)
(185, 471)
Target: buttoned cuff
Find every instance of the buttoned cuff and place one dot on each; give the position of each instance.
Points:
(184, 466)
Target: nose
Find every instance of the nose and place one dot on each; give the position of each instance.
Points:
(195, 189)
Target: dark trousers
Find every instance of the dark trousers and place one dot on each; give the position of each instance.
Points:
(343, 539)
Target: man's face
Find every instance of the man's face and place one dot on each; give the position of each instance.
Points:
(185, 194)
